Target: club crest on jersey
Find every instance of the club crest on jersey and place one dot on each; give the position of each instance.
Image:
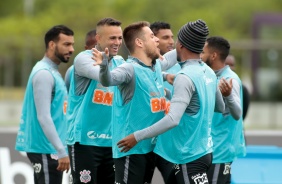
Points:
(37, 167)
(85, 176)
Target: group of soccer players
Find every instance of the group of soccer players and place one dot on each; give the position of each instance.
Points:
(174, 106)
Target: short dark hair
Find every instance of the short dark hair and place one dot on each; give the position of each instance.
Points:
(109, 22)
(156, 26)
(220, 45)
(131, 32)
(88, 36)
(53, 33)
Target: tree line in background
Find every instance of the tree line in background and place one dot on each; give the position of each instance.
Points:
(24, 23)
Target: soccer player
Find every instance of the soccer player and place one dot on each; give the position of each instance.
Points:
(42, 131)
(163, 31)
(89, 112)
(184, 133)
(227, 127)
(231, 61)
(138, 102)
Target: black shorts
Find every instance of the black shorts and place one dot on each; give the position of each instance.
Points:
(220, 173)
(45, 168)
(135, 169)
(164, 166)
(194, 172)
(91, 164)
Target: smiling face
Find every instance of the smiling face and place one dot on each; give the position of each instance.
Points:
(110, 37)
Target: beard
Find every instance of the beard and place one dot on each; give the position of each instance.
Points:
(178, 58)
(152, 55)
(208, 62)
(60, 56)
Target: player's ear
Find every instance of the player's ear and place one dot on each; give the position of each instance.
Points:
(139, 42)
(97, 37)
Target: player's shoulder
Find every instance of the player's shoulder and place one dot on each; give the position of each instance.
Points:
(170, 55)
(118, 57)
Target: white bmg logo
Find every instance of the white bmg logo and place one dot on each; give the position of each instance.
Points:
(9, 170)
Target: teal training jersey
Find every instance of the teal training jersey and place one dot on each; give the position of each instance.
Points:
(89, 115)
(31, 137)
(191, 139)
(227, 133)
(145, 108)
(173, 70)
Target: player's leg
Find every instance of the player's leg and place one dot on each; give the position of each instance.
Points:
(150, 167)
(137, 169)
(106, 171)
(45, 169)
(164, 166)
(84, 165)
(219, 173)
(194, 172)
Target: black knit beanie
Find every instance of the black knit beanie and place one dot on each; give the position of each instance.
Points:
(193, 35)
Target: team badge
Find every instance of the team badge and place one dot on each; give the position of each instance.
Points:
(227, 169)
(37, 167)
(85, 176)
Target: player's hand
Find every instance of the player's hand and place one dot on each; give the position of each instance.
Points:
(64, 164)
(225, 87)
(170, 78)
(127, 143)
(99, 56)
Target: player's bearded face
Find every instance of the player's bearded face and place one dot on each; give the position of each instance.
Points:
(208, 62)
(152, 53)
(62, 57)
